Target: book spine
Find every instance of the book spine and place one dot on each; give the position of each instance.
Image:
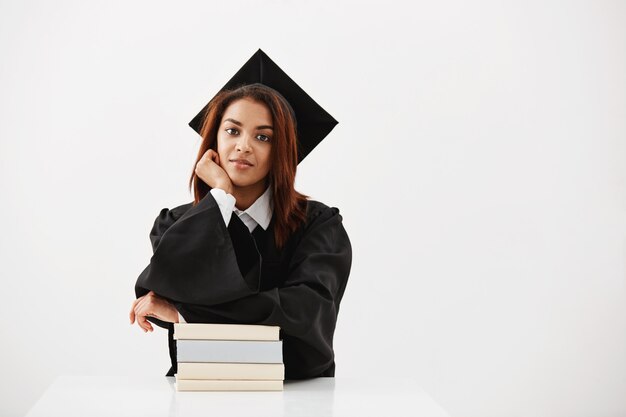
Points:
(236, 351)
(226, 385)
(195, 331)
(255, 371)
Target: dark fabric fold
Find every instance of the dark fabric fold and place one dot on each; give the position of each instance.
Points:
(195, 259)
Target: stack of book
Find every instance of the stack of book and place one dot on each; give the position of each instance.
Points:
(228, 357)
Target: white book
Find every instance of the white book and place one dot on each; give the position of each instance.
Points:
(216, 331)
(227, 385)
(238, 351)
(199, 370)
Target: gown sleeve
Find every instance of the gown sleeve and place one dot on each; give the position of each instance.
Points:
(305, 306)
(195, 260)
(163, 221)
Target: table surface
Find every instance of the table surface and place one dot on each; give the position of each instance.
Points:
(156, 396)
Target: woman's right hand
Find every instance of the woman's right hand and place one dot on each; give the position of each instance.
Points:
(210, 171)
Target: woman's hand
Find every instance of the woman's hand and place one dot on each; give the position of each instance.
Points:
(210, 171)
(151, 305)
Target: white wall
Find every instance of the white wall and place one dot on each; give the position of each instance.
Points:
(479, 164)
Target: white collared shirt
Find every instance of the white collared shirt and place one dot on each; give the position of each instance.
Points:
(258, 214)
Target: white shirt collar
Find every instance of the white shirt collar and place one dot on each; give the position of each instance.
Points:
(261, 210)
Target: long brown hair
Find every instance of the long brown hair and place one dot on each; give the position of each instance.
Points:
(289, 204)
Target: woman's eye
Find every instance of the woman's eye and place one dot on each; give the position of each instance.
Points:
(231, 131)
(263, 138)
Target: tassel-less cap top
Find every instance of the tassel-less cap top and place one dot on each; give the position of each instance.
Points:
(313, 123)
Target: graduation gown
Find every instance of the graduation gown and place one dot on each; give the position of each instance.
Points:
(217, 274)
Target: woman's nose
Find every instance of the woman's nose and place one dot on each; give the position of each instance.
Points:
(243, 144)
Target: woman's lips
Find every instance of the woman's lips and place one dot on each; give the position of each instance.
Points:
(241, 164)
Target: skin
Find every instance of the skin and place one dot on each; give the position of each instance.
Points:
(245, 133)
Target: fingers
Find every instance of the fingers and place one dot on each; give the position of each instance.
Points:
(145, 324)
(131, 315)
(141, 311)
(209, 155)
(210, 170)
(138, 312)
(132, 310)
(152, 305)
(213, 156)
(204, 162)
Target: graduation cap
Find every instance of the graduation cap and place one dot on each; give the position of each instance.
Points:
(312, 121)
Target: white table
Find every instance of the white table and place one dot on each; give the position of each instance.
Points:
(120, 396)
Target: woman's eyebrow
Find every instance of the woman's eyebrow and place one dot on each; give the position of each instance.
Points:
(238, 123)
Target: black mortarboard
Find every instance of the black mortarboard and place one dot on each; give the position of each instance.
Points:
(313, 122)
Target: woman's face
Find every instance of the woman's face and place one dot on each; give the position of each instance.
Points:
(244, 142)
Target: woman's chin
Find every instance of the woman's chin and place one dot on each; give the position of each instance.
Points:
(244, 182)
(241, 182)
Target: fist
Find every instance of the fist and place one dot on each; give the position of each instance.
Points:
(209, 170)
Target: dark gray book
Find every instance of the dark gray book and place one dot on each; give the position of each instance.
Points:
(235, 351)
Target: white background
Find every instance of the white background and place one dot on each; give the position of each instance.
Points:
(479, 164)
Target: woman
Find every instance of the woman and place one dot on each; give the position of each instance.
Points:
(250, 248)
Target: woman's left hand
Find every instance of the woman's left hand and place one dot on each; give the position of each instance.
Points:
(151, 305)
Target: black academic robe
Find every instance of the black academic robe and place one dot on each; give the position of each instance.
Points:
(218, 274)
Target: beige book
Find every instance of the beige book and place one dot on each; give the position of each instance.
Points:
(227, 385)
(214, 370)
(213, 331)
